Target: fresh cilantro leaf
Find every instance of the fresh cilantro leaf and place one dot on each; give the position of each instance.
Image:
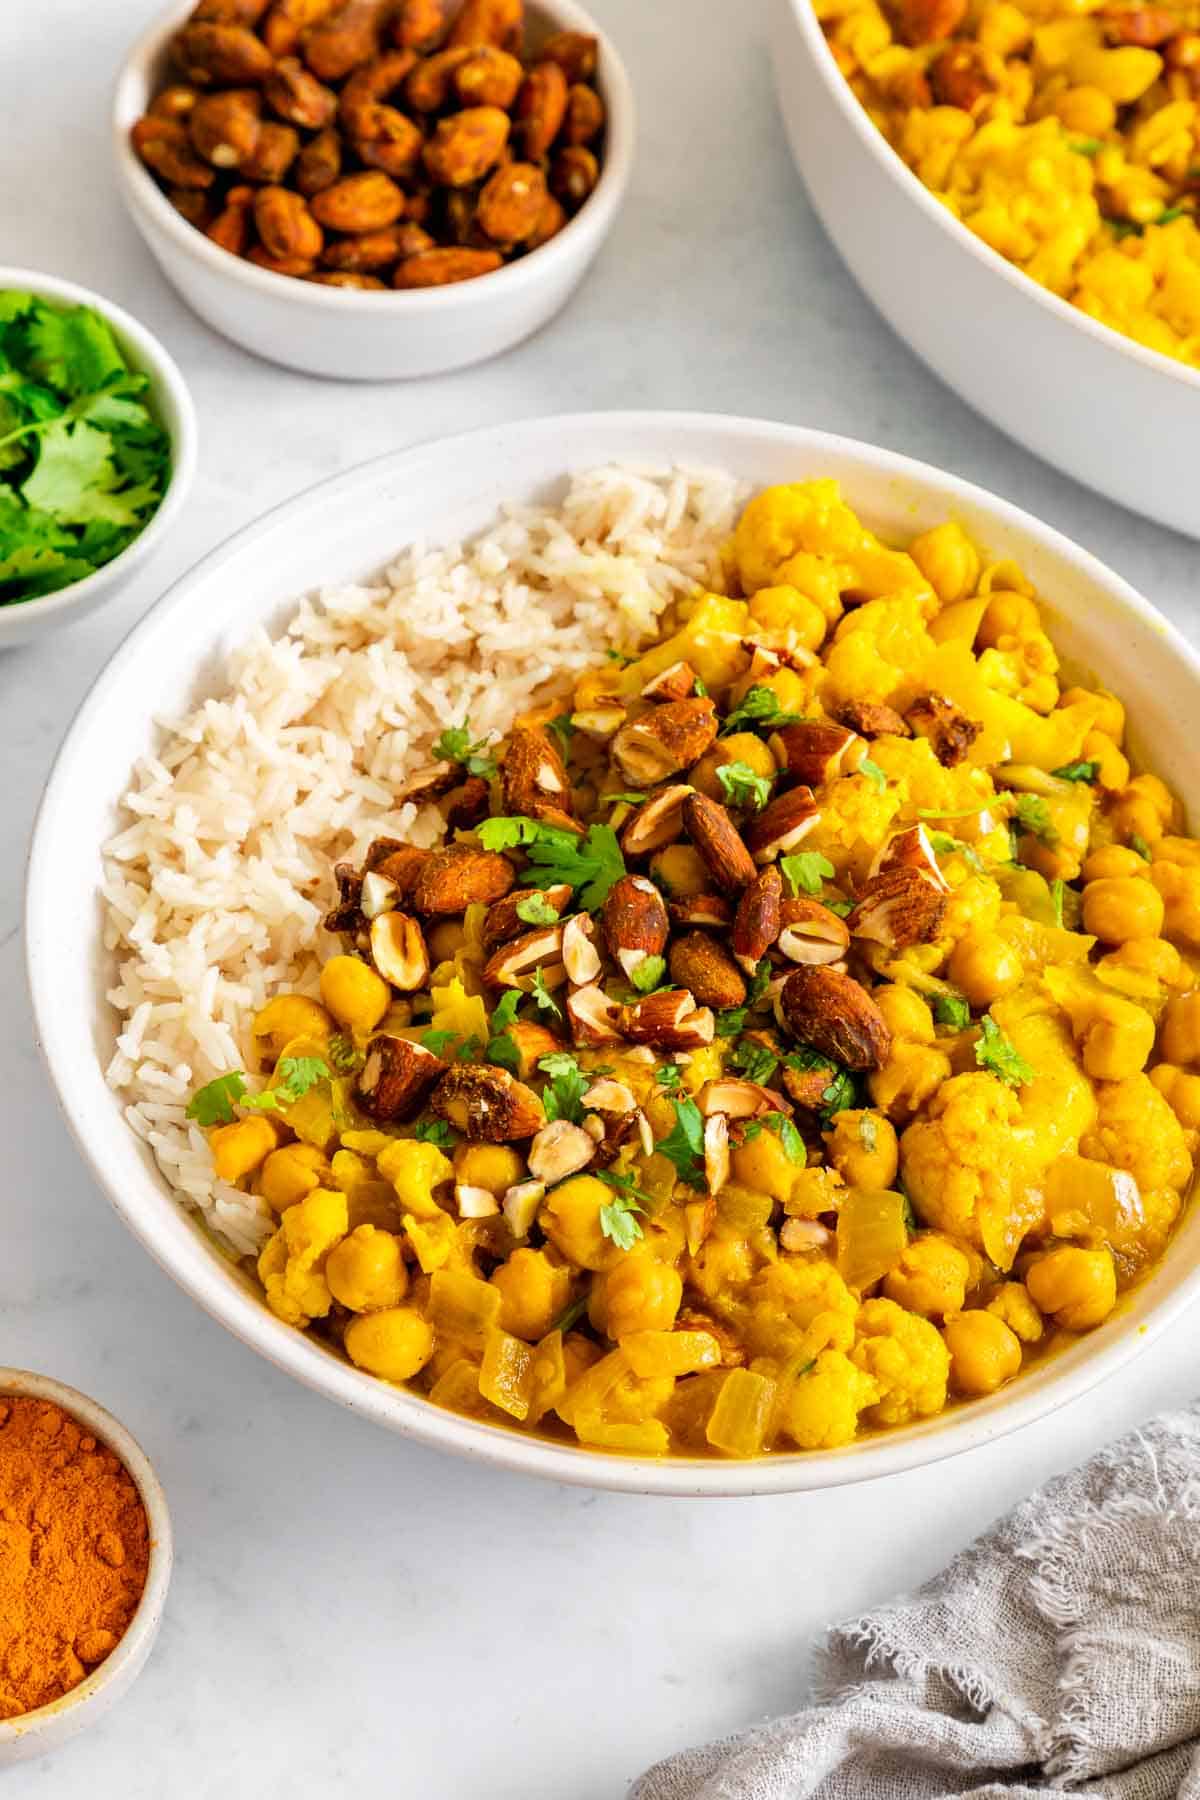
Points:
(648, 974)
(684, 1144)
(868, 1133)
(571, 1315)
(618, 656)
(1077, 771)
(1057, 889)
(699, 689)
(564, 731)
(433, 1131)
(1140, 847)
(944, 845)
(438, 1042)
(952, 1010)
(873, 773)
(1032, 816)
(590, 864)
(213, 1104)
(789, 1137)
(617, 1221)
(537, 911)
(500, 1049)
(567, 1084)
(295, 1075)
(343, 1055)
(506, 833)
(622, 799)
(754, 1062)
(505, 1011)
(841, 1094)
(999, 1055)
(760, 710)
(806, 870)
(742, 787)
(457, 745)
(544, 999)
(733, 1018)
(668, 1076)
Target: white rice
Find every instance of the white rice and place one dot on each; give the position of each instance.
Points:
(216, 888)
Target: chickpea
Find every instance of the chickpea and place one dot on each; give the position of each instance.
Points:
(984, 967)
(394, 1343)
(864, 1149)
(1003, 29)
(931, 1277)
(1113, 862)
(238, 1149)
(1180, 890)
(496, 1167)
(1112, 767)
(1119, 907)
(1119, 1044)
(1078, 1286)
(1185, 851)
(1181, 1092)
(763, 1164)
(1156, 794)
(1133, 815)
(984, 1353)
(444, 939)
(787, 609)
(291, 1173)
(641, 1294)
(366, 1270)
(286, 1017)
(1013, 1304)
(355, 995)
(570, 1218)
(1008, 615)
(534, 1290)
(1181, 1029)
(1150, 956)
(905, 1013)
(946, 556)
(680, 871)
(743, 747)
(1086, 110)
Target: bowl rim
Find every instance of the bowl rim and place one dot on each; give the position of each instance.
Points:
(892, 163)
(399, 1409)
(25, 1383)
(156, 361)
(593, 218)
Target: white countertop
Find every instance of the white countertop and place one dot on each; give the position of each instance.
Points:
(349, 1613)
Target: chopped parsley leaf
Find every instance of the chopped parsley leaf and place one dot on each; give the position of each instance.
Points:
(457, 745)
(544, 999)
(536, 911)
(1077, 771)
(213, 1104)
(622, 799)
(590, 864)
(617, 1220)
(754, 1062)
(760, 710)
(648, 974)
(565, 1088)
(1033, 816)
(500, 1049)
(806, 870)
(684, 1144)
(433, 1131)
(952, 1010)
(742, 787)
(999, 1055)
(668, 1077)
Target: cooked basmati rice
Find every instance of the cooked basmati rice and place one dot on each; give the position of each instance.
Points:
(216, 889)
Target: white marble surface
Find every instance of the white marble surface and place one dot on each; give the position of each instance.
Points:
(349, 1613)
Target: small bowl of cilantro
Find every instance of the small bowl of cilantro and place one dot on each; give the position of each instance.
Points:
(97, 450)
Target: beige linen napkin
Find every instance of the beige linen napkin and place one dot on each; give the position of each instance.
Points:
(1061, 1651)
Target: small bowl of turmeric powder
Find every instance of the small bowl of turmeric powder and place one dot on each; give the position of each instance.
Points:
(85, 1559)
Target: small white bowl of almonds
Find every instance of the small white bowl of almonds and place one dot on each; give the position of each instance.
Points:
(395, 192)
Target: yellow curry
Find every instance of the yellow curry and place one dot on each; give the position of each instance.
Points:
(798, 1031)
(1064, 133)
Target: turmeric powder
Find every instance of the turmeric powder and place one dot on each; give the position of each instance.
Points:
(74, 1550)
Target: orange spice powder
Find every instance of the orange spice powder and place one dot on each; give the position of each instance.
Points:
(74, 1549)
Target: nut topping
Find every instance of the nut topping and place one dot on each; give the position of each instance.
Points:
(503, 920)
(669, 1020)
(739, 1099)
(810, 933)
(716, 1152)
(701, 964)
(657, 822)
(674, 683)
(377, 894)
(595, 1019)
(897, 908)
(534, 776)
(560, 1149)
(515, 960)
(475, 1202)
(431, 781)
(711, 910)
(835, 1016)
(758, 920)
(395, 1078)
(911, 849)
(785, 822)
(635, 921)
(531, 1042)
(816, 753)
(346, 917)
(669, 738)
(581, 959)
(451, 880)
(716, 837)
(610, 1096)
(949, 730)
(520, 1205)
(487, 1104)
(398, 950)
(872, 719)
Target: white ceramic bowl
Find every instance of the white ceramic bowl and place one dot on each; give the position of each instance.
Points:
(372, 336)
(37, 1732)
(348, 527)
(1120, 418)
(172, 403)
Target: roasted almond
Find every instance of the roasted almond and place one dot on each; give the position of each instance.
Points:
(712, 910)
(365, 202)
(487, 1104)
(610, 1097)
(377, 894)
(395, 1077)
(417, 24)
(677, 682)
(431, 780)
(401, 863)
(581, 959)
(398, 950)
(275, 150)
(165, 147)
(575, 52)
(468, 804)
(285, 225)
(835, 1016)
(635, 921)
(297, 97)
(585, 115)
(533, 774)
(444, 266)
(899, 907)
(658, 744)
(872, 719)
(346, 38)
(531, 1041)
(783, 824)
(716, 837)
(947, 727)
(716, 1152)
(224, 127)
(701, 964)
(513, 962)
(816, 753)
(287, 20)
(657, 822)
(739, 1099)
(465, 146)
(560, 1149)
(372, 82)
(669, 1020)
(593, 1017)
(388, 142)
(488, 77)
(499, 22)
(503, 920)
(574, 173)
(541, 108)
(756, 925)
(811, 933)
(450, 880)
(214, 55)
(911, 849)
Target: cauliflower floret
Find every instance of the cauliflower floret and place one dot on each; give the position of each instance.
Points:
(856, 818)
(879, 650)
(925, 784)
(961, 1162)
(905, 1358)
(973, 905)
(291, 1265)
(1014, 1304)
(1136, 1130)
(822, 1409)
(414, 1169)
(813, 1297)
(930, 1278)
(807, 516)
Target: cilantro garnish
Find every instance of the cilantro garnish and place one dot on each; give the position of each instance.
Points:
(565, 1088)
(755, 1062)
(500, 1049)
(733, 1018)
(1033, 816)
(806, 870)
(668, 1077)
(684, 1144)
(617, 1220)
(699, 689)
(952, 1010)
(999, 1055)
(294, 1076)
(841, 1093)
(789, 1137)
(536, 911)
(761, 711)
(591, 864)
(648, 973)
(943, 844)
(1077, 771)
(873, 773)
(622, 799)
(213, 1104)
(438, 1042)
(456, 745)
(433, 1131)
(571, 1315)
(343, 1055)
(83, 461)
(1140, 847)
(545, 1000)
(742, 787)
(843, 908)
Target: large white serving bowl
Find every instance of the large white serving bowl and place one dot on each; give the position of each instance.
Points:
(1123, 419)
(350, 526)
(371, 336)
